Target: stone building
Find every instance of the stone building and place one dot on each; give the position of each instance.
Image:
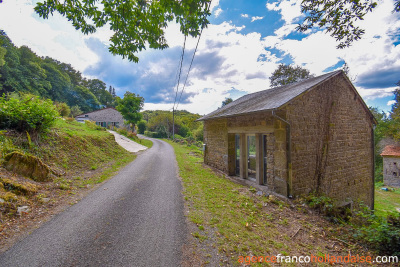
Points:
(313, 135)
(391, 165)
(107, 117)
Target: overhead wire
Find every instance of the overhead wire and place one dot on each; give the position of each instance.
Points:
(180, 72)
(190, 67)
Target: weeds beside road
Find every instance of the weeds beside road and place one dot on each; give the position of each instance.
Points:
(239, 223)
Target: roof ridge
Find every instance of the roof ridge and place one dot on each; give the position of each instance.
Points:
(268, 99)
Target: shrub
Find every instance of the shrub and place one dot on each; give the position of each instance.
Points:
(26, 113)
(141, 127)
(63, 109)
(92, 125)
(122, 131)
(381, 234)
(198, 134)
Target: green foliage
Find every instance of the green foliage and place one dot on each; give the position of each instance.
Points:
(161, 122)
(92, 125)
(26, 113)
(198, 133)
(63, 109)
(287, 74)
(327, 207)
(136, 24)
(6, 145)
(227, 101)
(23, 71)
(75, 111)
(142, 126)
(336, 17)
(130, 107)
(379, 233)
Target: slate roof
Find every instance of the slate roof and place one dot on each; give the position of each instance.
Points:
(268, 99)
(391, 151)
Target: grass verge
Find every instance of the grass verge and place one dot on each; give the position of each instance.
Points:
(146, 142)
(386, 201)
(243, 223)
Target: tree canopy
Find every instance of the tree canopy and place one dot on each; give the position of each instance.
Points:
(287, 74)
(22, 71)
(136, 24)
(227, 101)
(130, 107)
(338, 17)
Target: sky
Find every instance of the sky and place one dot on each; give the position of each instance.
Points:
(244, 43)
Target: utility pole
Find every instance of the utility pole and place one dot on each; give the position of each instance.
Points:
(173, 124)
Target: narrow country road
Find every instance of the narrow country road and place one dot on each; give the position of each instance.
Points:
(134, 219)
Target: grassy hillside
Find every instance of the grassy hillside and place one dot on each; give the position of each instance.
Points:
(84, 155)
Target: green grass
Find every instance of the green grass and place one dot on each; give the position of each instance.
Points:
(240, 223)
(386, 201)
(238, 217)
(146, 142)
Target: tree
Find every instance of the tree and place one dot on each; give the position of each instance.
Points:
(130, 107)
(287, 74)
(226, 101)
(141, 126)
(338, 17)
(99, 89)
(75, 111)
(136, 24)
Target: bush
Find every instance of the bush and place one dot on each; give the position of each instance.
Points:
(141, 127)
(27, 113)
(122, 131)
(63, 109)
(381, 234)
(198, 134)
(92, 125)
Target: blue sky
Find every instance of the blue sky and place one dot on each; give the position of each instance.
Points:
(237, 53)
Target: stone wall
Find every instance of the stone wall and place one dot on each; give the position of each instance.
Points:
(219, 136)
(216, 140)
(391, 171)
(331, 137)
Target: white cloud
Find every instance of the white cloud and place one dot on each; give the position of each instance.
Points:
(391, 102)
(244, 15)
(214, 4)
(318, 50)
(373, 93)
(256, 18)
(54, 37)
(289, 9)
(217, 12)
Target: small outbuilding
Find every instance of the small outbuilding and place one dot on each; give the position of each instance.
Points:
(107, 117)
(391, 165)
(313, 135)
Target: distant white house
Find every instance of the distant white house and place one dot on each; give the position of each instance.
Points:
(106, 117)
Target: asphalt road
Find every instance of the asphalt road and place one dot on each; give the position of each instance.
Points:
(134, 219)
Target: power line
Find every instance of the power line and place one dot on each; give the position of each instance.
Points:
(180, 71)
(190, 67)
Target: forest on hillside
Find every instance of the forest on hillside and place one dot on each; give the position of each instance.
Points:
(22, 71)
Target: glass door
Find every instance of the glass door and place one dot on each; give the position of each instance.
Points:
(251, 156)
(237, 154)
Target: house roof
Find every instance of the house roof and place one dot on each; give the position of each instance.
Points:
(393, 151)
(93, 112)
(270, 99)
